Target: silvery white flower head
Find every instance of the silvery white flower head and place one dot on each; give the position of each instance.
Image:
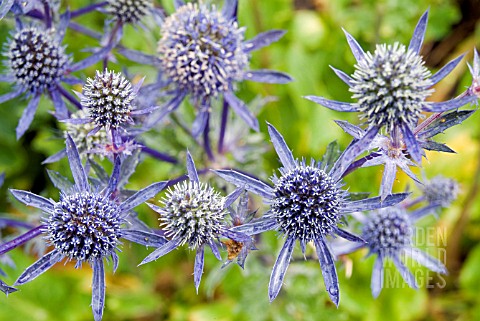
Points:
(307, 203)
(203, 54)
(193, 213)
(388, 234)
(390, 87)
(38, 64)
(129, 11)
(84, 226)
(108, 99)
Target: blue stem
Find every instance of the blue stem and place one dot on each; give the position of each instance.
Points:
(223, 126)
(87, 9)
(16, 242)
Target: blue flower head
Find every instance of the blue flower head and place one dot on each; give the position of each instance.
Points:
(390, 87)
(129, 11)
(440, 190)
(84, 226)
(193, 213)
(38, 64)
(307, 203)
(388, 234)
(108, 99)
(203, 54)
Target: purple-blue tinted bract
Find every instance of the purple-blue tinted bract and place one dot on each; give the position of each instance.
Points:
(129, 11)
(203, 54)
(193, 214)
(391, 86)
(85, 225)
(307, 203)
(474, 89)
(19, 7)
(38, 64)
(388, 233)
(240, 216)
(384, 150)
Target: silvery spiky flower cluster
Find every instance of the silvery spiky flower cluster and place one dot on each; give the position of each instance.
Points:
(202, 57)
(129, 11)
(307, 202)
(108, 97)
(192, 213)
(387, 231)
(441, 190)
(202, 51)
(391, 85)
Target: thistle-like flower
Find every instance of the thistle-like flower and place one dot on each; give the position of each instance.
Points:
(440, 190)
(85, 225)
(390, 87)
(203, 54)
(108, 98)
(307, 203)
(388, 233)
(193, 213)
(129, 11)
(38, 64)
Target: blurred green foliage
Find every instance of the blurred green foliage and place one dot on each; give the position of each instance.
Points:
(164, 290)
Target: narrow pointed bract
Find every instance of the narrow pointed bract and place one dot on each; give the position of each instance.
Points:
(306, 204)
(389, 234)
(83, 226)
(390, 87)
(280, 268)
(193, 213)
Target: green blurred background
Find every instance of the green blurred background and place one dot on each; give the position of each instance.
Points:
(163, 290)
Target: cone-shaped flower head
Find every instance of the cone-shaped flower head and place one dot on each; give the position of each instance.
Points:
(36, 59)
(129, 11)
(388, 231)
(307, 203)
(193, 213)
(202, 55)
(108, 97)
(391, 85)
(82, 134)
(202, 51)
(85, 225)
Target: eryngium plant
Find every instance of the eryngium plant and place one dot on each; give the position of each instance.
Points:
(390, 87)
(307, 203)
(84, 226)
